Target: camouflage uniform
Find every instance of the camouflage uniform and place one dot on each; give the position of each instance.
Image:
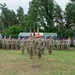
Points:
(7, 44)
(0, 43)
(18, 43)
(43, 45)
(22, 45)
(12, 44)
(3, 43)
(50, 45)
(31, 46)
(62, 44)
(74, 44)
(27, 45)
(58, 44)
(35, 45)
(39, 47)
(68, 44)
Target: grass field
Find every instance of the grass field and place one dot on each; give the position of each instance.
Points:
(60, 62)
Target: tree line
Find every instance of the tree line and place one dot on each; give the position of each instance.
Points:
(46, 15)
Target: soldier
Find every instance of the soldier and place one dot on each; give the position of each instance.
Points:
(65, 45)
(57, 44)
(12, 44)
(62, 44)
(27, 45)
(0, 43)
(18, 43)
(22, 45)
(74, 44)
(7, 44)
(39, 47)
(50, 45)
(35, 45)
(24, 41)
(68, 44)
(3, 43)
(54, 44)
(43, 45)
(46, 43)
(31, 46)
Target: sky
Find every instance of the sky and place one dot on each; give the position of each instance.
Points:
(14, 4)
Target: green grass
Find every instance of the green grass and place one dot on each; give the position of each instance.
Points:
(60, 62)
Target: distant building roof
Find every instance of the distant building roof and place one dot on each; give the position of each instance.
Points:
(24, 34)
(44, 34)
(50, 34)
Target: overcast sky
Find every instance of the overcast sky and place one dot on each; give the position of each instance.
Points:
(14, 4)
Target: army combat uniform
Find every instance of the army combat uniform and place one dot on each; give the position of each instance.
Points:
(22, 46)
(50, 45)
(31, 46)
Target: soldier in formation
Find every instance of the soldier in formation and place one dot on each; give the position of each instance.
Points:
(22, 45)
(49, 45)
(35, 45)
(30, 43)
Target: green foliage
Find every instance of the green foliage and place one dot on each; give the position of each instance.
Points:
(8, 16)
(20, 16)
(58, 16)
(13, 30)
(72, 0)
(43, 14)
(70, 16)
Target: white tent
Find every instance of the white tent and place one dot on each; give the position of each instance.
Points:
(24, 34)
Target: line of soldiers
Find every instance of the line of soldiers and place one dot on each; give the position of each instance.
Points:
(35, 45)
(13, 44)
(62, 44)
(32, 45)
(38, 45)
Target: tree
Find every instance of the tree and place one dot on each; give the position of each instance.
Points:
(20, 16)
(13, 30)
(70, 17)
(9, 18)
(41, 13)
(58, 16)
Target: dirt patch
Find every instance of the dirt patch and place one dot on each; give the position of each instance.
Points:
(35, 66)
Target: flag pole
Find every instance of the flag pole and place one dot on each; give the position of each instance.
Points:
(34, 31)
(30, 31)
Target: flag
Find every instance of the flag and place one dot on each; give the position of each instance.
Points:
(30, 33)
